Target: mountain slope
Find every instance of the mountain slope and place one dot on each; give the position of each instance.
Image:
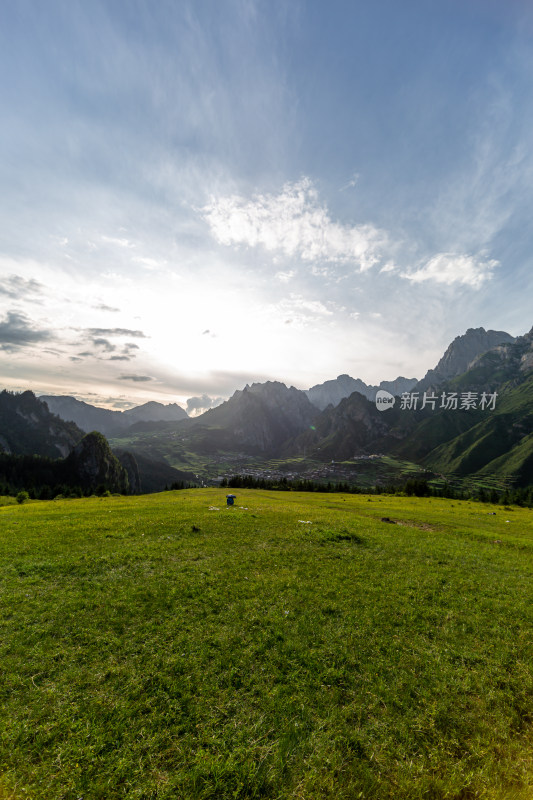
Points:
(341, 432)
(501, 444)
(257, 419)
(86, 416)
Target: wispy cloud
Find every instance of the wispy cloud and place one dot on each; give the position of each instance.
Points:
(18, 288)
(295, 224)
(136, 378)
(449, 269)
(352, 183)
(118, 241)
(300, 311)
(103, 347)
(103, 307)
(116, 332)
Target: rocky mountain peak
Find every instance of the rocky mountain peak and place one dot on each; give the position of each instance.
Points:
(462, 352)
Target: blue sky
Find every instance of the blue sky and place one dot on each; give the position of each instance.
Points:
(197, 195)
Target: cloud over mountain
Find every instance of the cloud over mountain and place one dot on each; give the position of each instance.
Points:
(197, 405)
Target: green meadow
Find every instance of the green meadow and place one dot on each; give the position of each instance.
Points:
(295, 646)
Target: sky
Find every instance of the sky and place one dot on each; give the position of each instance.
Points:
(201, 194)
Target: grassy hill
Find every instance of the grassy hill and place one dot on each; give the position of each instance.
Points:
(292, 647)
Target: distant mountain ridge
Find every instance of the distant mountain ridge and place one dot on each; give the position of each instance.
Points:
(106, 421)
(155, 412)
(333, 391)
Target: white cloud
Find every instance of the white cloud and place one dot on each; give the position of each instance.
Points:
(294, 223)
(299, 311)
(285, 277)
(449, 269)
(351, 183)
(119, 242)
(147, 263)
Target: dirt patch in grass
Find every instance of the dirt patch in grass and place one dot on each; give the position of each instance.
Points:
(411, 523)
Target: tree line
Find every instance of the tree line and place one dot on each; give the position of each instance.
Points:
(411, 488)
(43, 478)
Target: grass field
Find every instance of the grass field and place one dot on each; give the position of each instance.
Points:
(295, 646)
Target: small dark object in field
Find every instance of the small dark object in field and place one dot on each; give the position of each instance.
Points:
(195, 528)
(492, 513)
(388, 519)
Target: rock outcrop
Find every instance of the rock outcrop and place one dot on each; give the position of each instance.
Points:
(95, 465)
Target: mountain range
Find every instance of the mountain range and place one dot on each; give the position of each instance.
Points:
(335, 422)
(108, 422)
